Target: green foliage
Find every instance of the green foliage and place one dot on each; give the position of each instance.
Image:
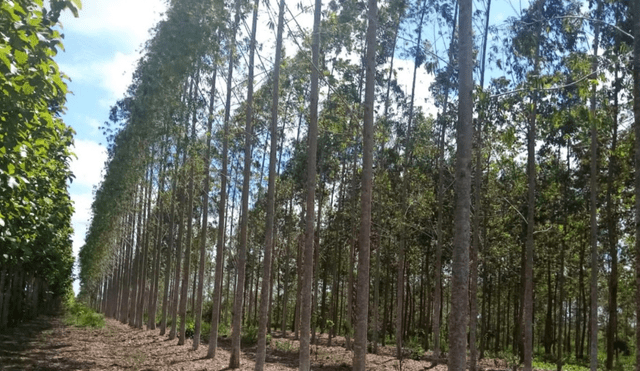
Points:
(285, 346)
(250, 335)
(415, 348)
(79, 315)
(35, 216)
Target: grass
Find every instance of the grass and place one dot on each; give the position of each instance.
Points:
(79, 315)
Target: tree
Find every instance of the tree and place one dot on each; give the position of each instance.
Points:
(462, 211)
(312, 135)
(217, 291)
(271, 198)
(234, 361)
(364, 237)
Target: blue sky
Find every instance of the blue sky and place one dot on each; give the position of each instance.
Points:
(101, 48)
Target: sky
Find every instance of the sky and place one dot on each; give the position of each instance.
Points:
(101, 48)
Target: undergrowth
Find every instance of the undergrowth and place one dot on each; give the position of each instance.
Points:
(79, 315)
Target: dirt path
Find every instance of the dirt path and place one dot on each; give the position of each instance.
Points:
(47, 344)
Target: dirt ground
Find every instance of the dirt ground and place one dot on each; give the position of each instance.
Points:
(47, 344)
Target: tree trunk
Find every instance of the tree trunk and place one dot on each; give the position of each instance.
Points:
(271, 195)
(593, 183)
(205, 216)
(613, 231)
(437, 306)
(362, 300)
(475, 246)
(234, 361)
(527, 307)
(171, 248)
(635, 4)
(464, 138)
(305, 325)
(217, 291)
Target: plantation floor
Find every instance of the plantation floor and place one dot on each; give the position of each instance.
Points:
(47, 344)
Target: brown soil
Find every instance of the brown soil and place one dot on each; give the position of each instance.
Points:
(47, 344)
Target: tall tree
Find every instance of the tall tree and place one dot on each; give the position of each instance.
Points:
(205, 213)
(364, 237)
(462, 233)
(527, 311)
(271, 198)
(593, 177)
(312, 136)
(635, 8)
(217, 291)
(234, 361)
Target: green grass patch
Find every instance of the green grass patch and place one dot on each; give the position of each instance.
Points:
(79, 315)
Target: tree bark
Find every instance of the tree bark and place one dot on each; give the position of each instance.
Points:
(217, 291)
(205, 215)
(593, 183)
(635, 4)
(307, 278)
(187, 249)
(462, 233)
(271, 195)
(612, 227)
(234, 361)
(527, 308)
(364, 258)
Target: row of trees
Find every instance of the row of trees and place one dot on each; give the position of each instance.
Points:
(35, 208)
(545, 149)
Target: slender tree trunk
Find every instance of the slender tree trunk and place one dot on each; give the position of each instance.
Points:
(461, 240)
(593, 183)
(527, 307)
(153, 295)
(172, 246)
(305, 325)
(364, 258)
(406, 184)
(613, 232)
(437, 306)
(635, 4)
(205, 215)
(271, 196)
(217, 291)
(475, 246)
(234, 361)
(187, 249)
(143, 261)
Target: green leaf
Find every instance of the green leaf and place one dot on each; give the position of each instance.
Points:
(21, 57)
(11, 169)
(5, 50)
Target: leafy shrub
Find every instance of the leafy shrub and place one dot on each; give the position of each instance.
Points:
(284, 346)
(415, 348)
(79, 315)
(250, 335)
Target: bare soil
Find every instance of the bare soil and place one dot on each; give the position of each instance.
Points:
(47, 344)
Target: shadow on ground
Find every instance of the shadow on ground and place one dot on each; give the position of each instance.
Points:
(34, 346)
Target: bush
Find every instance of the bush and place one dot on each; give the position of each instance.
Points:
(79, 315)
(250, 335)
(415, 348)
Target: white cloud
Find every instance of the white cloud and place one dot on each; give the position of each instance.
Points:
(127, 21)
(113, 75)
(116, 74)
(87, 168)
